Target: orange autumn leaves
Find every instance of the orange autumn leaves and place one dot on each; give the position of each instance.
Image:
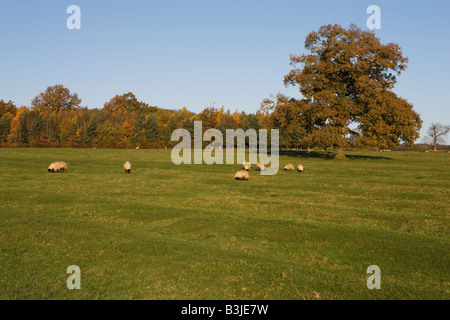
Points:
(345, 81)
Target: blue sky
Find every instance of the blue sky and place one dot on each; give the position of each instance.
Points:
(199, 53)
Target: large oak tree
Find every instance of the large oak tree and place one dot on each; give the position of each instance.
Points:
(346, 80)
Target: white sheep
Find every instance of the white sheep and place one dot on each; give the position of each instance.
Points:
(247, 165)
(241, 175)
(289, 167)
(260, 166)
(127, 166)
(59, 166)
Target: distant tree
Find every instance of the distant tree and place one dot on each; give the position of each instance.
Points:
(151, 128)
(127, 103)
(209, 117)
(5, 126)
(127, 131)
(7, 107)
(264, 116)
(19, 132)
(437, 134)
(139, 128)
(226, 122)
(37, 127)
(183, 117)
(243, 121)
(288, 115)
(108, 134)
(346, 79)
(55, 98)
(189, 125)
(236, 119)
(68, 128)
(171, 126)
(51, 104)
(91, 132)
(253, 122)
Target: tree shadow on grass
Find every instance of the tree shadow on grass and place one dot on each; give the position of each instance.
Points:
(327, 155)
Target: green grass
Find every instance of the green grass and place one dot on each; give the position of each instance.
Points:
(192, 232)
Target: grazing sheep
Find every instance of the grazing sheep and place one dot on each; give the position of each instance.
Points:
(241, 175)
(51, 167)
(247, 165)
(289, 167)
(300, 168)
(127, 166)
(260, 166)
(59, 166)
(137, 148)
(62, 167)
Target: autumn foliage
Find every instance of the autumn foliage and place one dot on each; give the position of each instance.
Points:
(57, 119)
(345, 82)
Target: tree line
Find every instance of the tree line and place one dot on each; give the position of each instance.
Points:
(56, 118)
(346, 100)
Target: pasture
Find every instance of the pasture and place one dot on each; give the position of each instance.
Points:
(193, 232)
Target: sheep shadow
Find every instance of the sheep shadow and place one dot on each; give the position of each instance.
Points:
(327, 155)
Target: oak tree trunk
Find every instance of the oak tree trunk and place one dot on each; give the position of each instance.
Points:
(339, 153)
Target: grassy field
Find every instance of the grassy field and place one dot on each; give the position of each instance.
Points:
(192, 232)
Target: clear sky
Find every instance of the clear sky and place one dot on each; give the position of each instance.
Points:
(199, 53)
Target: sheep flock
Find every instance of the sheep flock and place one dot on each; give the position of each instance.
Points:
(247, 166)
(243, 174)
